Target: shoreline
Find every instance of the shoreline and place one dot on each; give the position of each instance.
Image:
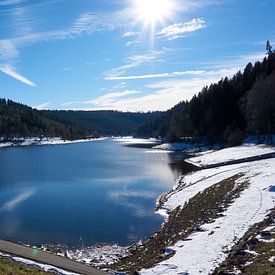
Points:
(24, 142)
(251, 183)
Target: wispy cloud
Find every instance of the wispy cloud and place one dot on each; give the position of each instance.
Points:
(129, 34)
(133, 62)
(8, 50)
(131, 43)
(160, 75)
(13, 203)
(167, 93)
(42, 106)
(177, 30)
(8, 70)
(22, 23)
(86, 23)
(10, 47)
(109, 99)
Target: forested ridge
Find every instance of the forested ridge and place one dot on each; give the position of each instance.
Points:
(106, 123)
(18, 120)
(224, 112)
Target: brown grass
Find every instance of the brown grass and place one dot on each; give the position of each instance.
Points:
(202, 208)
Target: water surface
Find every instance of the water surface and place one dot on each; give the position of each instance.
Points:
(96, 192)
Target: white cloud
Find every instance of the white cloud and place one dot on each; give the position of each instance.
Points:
(129, 34)
(8, 70)
(160, 75)
(86, 23)
(133, 62)
(177, 30)
(168, 93)
(109, 99)
(13, 203)
(42, 106)
(8, 50)
(131, 43)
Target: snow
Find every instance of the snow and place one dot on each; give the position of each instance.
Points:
(254, 253)
(43, 141)
(272, 259)
(99, 255)
(202, 252)
(184, 146)
(44, 267)
(229, 154)
(131, 140)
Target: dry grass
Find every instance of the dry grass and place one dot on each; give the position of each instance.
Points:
(9, 267)
(257, 263)
(202, 208)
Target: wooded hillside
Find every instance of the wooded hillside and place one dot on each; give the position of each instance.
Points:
(224, 112)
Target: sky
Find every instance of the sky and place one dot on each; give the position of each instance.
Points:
(126, 55)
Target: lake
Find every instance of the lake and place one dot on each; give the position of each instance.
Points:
(82, 193)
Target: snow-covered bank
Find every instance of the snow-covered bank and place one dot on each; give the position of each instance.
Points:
(205, 250)
(230, 154)
(43, 141)
(45, 267)
(132, 140)
(186, 147)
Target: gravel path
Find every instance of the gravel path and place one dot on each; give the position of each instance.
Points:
(48, 258)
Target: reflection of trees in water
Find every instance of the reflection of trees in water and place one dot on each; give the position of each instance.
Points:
(178, 165)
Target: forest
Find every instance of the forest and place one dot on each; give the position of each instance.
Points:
(18, 120)
(224, 112)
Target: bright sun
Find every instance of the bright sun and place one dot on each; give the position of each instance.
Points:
(152, 11)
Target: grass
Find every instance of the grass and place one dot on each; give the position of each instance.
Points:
(259, 263)
(202, 208)
(9, 267)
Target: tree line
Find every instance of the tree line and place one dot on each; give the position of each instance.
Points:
(224, 112)
(18, 120)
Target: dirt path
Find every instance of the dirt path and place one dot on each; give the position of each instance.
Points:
(48, 258)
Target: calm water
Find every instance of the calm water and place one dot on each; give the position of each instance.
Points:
(99, 192)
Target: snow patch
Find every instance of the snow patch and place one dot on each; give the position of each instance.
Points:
(230, 154)
(43, 141)
(99, 255)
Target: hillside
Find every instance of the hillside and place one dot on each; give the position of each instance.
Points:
(104, 122)
(18, 120)
(224, 112)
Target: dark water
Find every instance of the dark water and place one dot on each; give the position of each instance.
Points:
(99, 192)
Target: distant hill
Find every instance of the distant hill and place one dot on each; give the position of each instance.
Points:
(224, 112)
(104, 122)
(18, 120)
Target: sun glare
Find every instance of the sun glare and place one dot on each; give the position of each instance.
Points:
(151, 12)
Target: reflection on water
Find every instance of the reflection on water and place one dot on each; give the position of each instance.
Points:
(178, 165)
(98, 192)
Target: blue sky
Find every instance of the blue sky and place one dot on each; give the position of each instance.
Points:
(125, 55)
